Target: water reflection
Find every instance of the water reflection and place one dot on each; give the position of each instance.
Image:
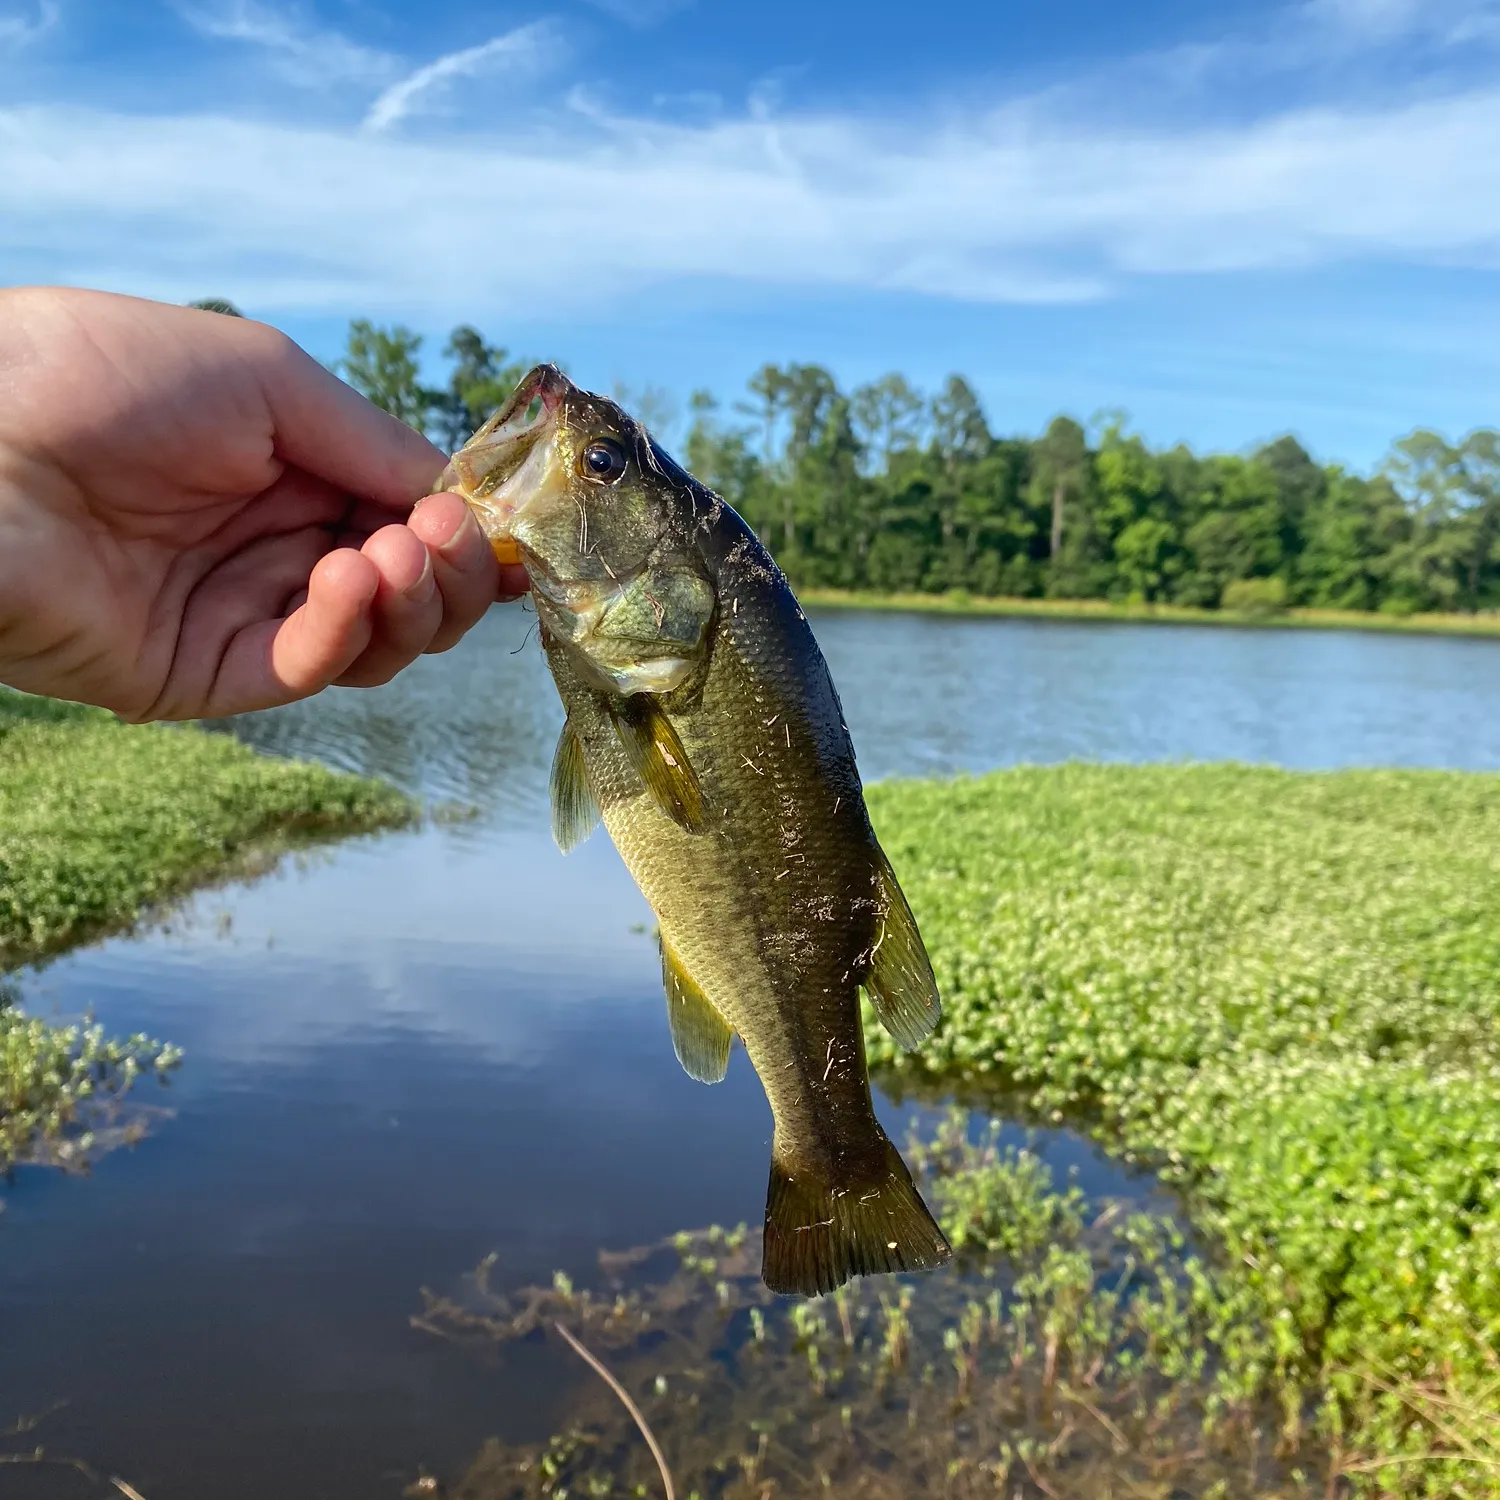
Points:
(932, 695)
(476, 725)
(422, 1047)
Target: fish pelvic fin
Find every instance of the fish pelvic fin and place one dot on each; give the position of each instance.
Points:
(820, 1233)
(900, 983)
(575, 810)
(653, 748)
(700, 1034)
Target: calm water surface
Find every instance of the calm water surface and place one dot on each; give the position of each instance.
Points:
(419, 1048)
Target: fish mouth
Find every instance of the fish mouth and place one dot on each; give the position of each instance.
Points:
(505, 463)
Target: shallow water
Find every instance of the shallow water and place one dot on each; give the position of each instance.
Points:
(419, 1048)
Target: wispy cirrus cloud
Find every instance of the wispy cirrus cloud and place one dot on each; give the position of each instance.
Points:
(524, 50)
(1048, 198)
(1381, 22)
(1342, 51)
(303, 54)
(18, 29)
(1012, 206)
(641, 12)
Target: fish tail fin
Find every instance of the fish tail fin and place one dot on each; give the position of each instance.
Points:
(820, 1233)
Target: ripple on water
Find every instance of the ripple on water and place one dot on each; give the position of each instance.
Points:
(415, 1049)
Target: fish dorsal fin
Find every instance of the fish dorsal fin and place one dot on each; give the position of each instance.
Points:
(653, 748)
(699, 1033)
(899, 983)
(575, 810)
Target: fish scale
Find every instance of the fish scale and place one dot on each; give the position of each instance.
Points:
(706, 731)
(754, 928)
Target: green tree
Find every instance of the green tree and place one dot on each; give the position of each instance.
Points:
(217, 305)
(1350, 534)
(1454, 493)
(876, 489)
(722, 459)
(960, 441)
(959, 430)
(887, 419)
(479, 383)
(653, 406)
(769, 388)
(381, 364)
(1238, 533)
(1146, 553)
(1059, 477)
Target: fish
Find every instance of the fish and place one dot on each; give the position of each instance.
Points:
(703, 727)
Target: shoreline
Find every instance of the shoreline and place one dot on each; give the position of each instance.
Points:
(103, 825)
(1101, 611)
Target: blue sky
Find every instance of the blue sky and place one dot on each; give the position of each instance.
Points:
(1231, 220)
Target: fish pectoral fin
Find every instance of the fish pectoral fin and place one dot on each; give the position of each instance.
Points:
(575, 809)
(653, 748)
(700, 1034)
(899, 981)
(819, 1233)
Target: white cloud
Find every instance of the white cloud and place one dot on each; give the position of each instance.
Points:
(640, 12)
(304, 55)
(524, 48)
(1353, 25)
(1337, 49)
(1011, 207)
(1027, 202)
(1374, 19)
(23, 28)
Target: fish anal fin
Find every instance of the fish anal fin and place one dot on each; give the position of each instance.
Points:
(820, 1233)
(654, 749)
(899, 981)
(700, 1034)
(575, 810)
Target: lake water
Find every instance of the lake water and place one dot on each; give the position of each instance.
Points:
(413, 1050)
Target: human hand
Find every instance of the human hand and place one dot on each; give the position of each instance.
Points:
(197, 519)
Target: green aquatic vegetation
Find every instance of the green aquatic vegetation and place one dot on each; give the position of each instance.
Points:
(58, 1083)
(1279, 991)
(1092, 1365)
(1282, 991)
(100, 822)
(993, 1202)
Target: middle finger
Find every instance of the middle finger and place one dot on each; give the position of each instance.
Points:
(407, 611)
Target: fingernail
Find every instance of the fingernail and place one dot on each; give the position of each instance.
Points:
(462, 538)
(421, 591)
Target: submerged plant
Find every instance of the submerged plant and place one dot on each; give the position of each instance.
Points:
(1040, 1367)
(1279, 991)
(59, 1086)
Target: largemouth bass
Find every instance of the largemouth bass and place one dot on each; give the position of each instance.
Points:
(703, 725)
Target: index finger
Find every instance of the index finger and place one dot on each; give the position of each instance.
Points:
(329, 429)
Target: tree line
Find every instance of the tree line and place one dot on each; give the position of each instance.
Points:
(889, 489)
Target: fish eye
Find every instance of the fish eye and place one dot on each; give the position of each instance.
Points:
(603, 461)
